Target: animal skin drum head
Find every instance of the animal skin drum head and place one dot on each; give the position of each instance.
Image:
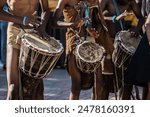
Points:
(90, 52)
(127, 41)
(51, 45)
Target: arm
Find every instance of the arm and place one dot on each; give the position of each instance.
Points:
(8, 17)
(103, 4)
(148, 28)
(45, 13)
(16, 19)
(58, 13)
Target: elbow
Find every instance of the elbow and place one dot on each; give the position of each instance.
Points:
(147, 25)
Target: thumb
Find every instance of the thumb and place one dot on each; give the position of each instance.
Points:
(34, 13)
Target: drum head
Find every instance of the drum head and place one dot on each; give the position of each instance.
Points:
(90, 52)
(125, 40)
(49, 46)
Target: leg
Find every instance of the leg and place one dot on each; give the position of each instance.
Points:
(144, 94)
(12, 73)
(40, 91)
(108, 85)
(98, 90)
(126, 91)
(148, 92)
(75, 78)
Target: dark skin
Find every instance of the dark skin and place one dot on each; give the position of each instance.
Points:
(72, 3)
(124, 7)
(124, 11)
(19, 9)
(72, 68)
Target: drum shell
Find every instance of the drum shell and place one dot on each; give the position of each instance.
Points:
(85, 65)
(36, 63)
(120, 57)
(125, 46)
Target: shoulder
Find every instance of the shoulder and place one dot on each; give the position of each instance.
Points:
(2, 2)
(132, 2)
(104, 2)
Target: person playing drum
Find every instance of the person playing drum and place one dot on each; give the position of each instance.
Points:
(114, 12)
(22, 14)
(73, 11)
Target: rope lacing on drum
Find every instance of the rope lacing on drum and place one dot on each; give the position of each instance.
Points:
(33, 60)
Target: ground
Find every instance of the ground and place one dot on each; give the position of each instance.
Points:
(57, 86)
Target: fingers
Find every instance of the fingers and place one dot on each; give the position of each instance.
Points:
(126, 13)
(92, 32)
(80, 24)
(33, 22)
(134, 34)
(34, 13)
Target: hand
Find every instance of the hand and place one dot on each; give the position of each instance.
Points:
(80, 24)
(32, 21)
(92, 32)
(79, 5)
(134, 32)
(41, 32)
(123, 15)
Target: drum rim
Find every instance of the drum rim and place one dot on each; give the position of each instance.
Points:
(89, 61)
(118, 40)
(60, 50)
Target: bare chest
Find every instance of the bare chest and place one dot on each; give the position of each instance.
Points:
(23, 6)
(121, 8)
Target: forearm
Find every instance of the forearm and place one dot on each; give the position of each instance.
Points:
(56, 23)
(148, 28)
(10, 18)
(45, 13)
(112, 18)
(44, 18)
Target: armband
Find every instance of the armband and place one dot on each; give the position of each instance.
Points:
(114, 18)
(24, 20)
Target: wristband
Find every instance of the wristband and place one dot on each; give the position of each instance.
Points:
(24, 20)
(114, 18)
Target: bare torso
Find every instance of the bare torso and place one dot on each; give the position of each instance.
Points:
(23, 7)
(111, 11)
(110, 7)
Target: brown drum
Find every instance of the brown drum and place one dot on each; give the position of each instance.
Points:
(38, 56)
(88, 56)
(125, 46)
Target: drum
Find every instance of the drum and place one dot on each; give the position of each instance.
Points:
(125, 45)
(88, 56)
(38, 56)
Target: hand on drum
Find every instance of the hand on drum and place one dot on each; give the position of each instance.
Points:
(32, 21)
(134, 32)
(41, 32)
(92, 32)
